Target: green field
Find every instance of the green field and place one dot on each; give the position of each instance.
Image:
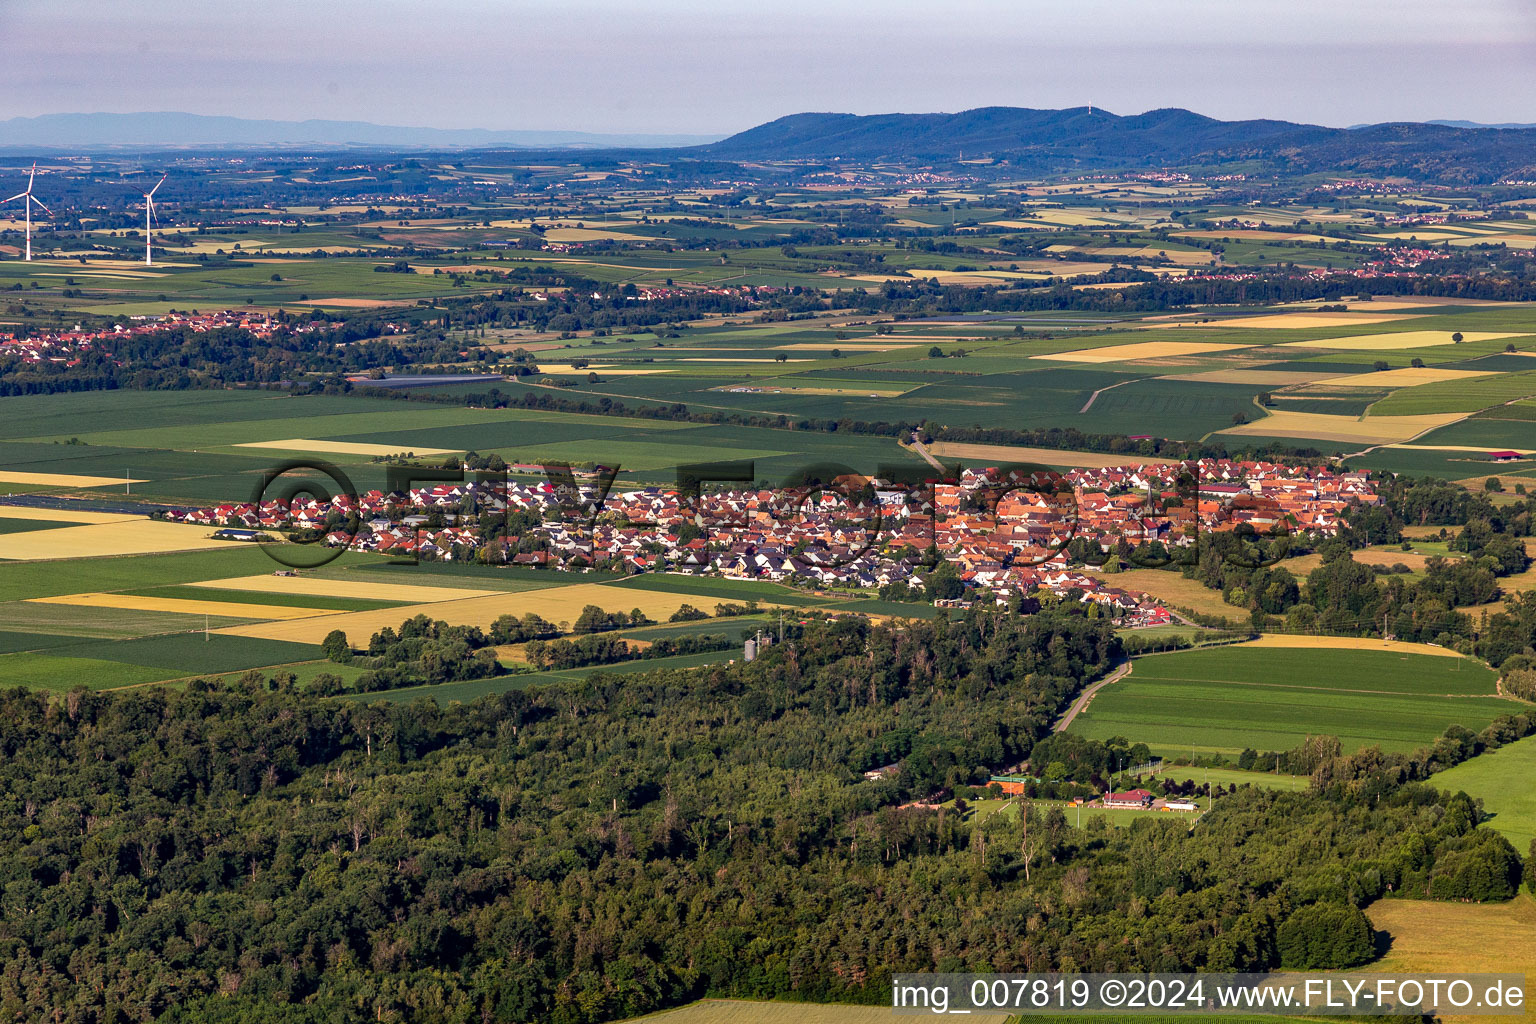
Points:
(102, 664)
(1223, 701)
(1502, 779)
(1078, 817)
(1233, 777)
(467, 691)
(1469, 395)
(26, 525)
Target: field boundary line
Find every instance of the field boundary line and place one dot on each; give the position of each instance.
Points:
(1095, 396)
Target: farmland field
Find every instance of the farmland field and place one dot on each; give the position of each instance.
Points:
(103, 664)
(557, 604)
(1234, 777)
(1500, 778)
(1173, 588)
(1424, 938)
(1222, 701)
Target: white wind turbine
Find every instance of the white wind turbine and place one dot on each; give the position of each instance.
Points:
(30, 199)
(149, 214)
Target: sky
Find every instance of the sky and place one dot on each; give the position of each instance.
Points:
(719, 66)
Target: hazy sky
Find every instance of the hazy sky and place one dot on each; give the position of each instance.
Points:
(722, 65)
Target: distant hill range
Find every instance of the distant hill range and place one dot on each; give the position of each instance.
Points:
(1086, 138)
(1012, 138)
(95, 132)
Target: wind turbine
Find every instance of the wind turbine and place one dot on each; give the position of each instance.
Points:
(149, 213)
(30, 199)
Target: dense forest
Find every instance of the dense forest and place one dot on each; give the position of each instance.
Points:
(587, 852)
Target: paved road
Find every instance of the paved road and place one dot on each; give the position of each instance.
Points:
(1087, 695)
(917, 446)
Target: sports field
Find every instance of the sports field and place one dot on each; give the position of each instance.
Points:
(1273, 698)
(1234, 777)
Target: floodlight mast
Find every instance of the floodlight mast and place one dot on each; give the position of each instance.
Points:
(149, 216)
(28, 199)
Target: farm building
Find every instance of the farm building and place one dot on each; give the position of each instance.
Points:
(1505, 456)
(236, 535)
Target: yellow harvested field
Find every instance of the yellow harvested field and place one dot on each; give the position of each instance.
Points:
(1444, 937)
(766, 389)
(1348, 429)
(606, 371)
(1258, 234)
(1303, 564)
(304, 444)
(138, 537)
(570, 234)
(994, 454)
(958, 276)
(62, 515)
(1347, 643)
(344, 303)
(1393, 342)
(1077, 219)
(1139, 350)
(1174, 589)
(1180, 257)
(1263, 378)
(1406, 377)
(742, 1011)
(1457, 448)
(1422, 236)
(1306, 321)
(320, 586)
(557, 604)
(63, 480)
(848, 346)
(181, 606)
(1420, 301)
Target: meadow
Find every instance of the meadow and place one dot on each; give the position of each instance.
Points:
(1500, 779)
(1424, 938)
(1234, 777)
(1223, 701)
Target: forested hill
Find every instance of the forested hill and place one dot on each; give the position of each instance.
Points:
(1089, 137)
(243, 853)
